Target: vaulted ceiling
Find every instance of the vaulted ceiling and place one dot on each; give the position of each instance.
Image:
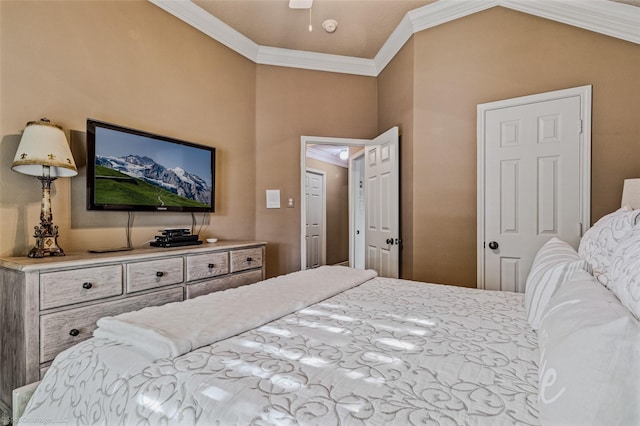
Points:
(370, 32)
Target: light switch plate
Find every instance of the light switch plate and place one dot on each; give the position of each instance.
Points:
(273, 198)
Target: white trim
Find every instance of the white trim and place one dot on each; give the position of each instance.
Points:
(584, 92)
(205, 22)
(617, 20)
(394, 43)
(315, 61)
(480, 205)
(607, 17)
(321, 155)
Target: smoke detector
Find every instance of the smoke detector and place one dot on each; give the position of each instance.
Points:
(330, 25)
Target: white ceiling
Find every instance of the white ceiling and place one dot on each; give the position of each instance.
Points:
(370, 32)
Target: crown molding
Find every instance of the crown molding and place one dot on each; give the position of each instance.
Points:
(394, 43)
(320, 155)
(200, 19)
(602, 16)
(316, 61)
(420, 19)
(617, 20)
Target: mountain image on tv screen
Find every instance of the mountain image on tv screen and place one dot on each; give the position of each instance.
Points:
(134, 170)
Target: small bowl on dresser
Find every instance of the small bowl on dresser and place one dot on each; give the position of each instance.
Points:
(212, 240)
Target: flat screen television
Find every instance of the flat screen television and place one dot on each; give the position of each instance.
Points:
(134, 170)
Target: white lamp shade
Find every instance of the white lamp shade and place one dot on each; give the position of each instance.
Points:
(44, 144)
(631, 193)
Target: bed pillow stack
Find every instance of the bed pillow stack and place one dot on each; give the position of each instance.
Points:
(589, 334)
(554, 263)
(589, 358)
(599, 242)
(624, 270)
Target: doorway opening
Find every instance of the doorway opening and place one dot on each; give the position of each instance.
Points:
(330, 156)
(373, 231)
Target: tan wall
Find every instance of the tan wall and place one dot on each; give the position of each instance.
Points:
(290, 103)
(395, 108)
(132, 64)
(500, 54)
(337, 221)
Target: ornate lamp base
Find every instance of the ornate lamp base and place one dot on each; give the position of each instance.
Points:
(46, 242)
(47, 233)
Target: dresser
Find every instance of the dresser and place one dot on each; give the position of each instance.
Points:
(50, 304)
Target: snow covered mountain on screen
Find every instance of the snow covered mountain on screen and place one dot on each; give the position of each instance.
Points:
(176, 180)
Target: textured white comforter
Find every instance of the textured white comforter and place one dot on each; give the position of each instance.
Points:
(385, 352)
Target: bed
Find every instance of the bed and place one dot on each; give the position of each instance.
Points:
(335, 345)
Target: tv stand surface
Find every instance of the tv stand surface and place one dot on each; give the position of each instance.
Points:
(109, 250)
(52, 303)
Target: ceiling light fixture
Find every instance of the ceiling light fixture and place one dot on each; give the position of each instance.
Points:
(330, 25)
(344, 154)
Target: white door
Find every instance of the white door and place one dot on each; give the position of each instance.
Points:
(382, 219)
(314, 234)
(534, 183)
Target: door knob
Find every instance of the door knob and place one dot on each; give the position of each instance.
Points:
(390, 241)
(493, 245)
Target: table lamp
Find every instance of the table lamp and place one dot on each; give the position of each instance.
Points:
(631, 193)
(44, 152)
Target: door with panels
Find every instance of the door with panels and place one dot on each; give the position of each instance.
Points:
(315, 217)
(533, 183)
(382, 219)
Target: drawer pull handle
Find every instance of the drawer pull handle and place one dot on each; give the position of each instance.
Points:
(249, 259)
(159, 274)
(74, 332)
(87, 285)
(211, 266)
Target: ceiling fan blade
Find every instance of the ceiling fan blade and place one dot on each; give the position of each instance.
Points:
(300, 4)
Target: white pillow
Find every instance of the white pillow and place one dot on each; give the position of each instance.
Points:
(598, 243)
(589, 358)
(625, 271)
(554, 263)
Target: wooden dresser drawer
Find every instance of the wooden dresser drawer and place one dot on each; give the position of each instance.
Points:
(154, 273)
(246, 259)
(80, 285)
(207, 265)
(61, 330)
(224, 283)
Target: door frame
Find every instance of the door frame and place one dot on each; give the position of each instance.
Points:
(323, 214)
(353, 203)
(320, 140)
(584, 92)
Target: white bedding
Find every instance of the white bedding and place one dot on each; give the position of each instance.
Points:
(385, 352)
(177, 328)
